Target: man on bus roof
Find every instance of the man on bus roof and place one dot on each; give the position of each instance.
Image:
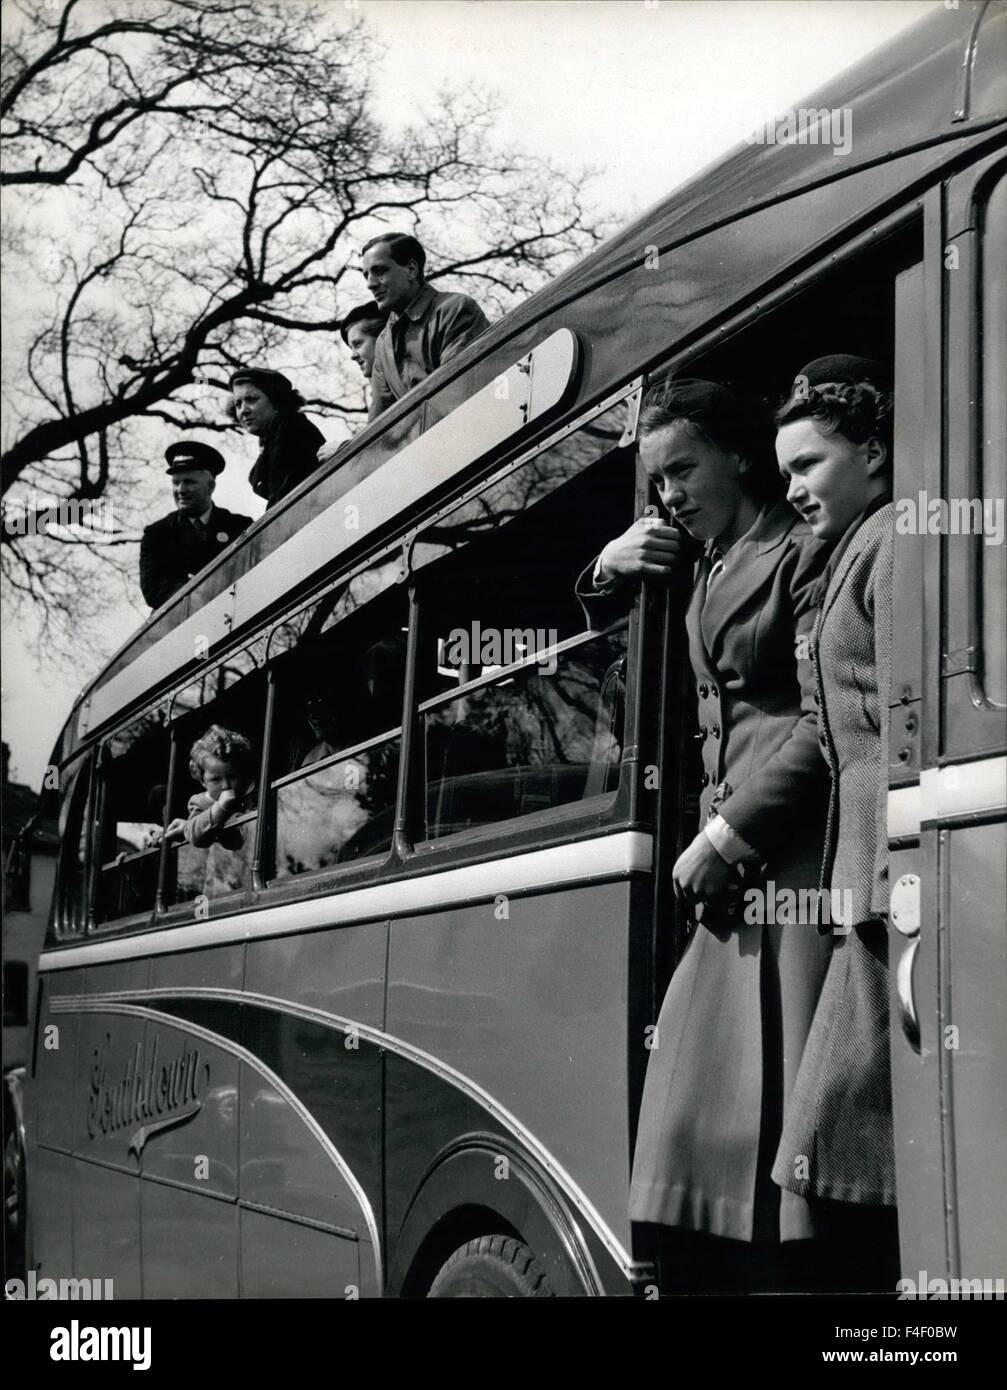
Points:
(425, 326)
(181, 544)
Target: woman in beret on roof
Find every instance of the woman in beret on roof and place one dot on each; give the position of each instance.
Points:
(265, 404)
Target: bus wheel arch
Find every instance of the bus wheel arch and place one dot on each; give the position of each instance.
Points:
(458, 1204)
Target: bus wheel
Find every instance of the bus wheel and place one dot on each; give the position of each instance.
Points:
(491, 1267)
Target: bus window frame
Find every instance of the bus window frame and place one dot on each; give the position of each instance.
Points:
(135, 921)
(174, 914)
(970, 725)
(590, 809)
(615, 810)
(58, 932)
(404, 857)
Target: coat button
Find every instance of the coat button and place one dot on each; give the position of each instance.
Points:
(703, 691)
(703, 731)
(715, 731)
(713, 692)
(705, 780)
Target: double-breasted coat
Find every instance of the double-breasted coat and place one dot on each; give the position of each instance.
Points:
(736, 1013)
(837, 1141)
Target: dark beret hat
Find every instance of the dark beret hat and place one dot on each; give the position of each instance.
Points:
(363, 313)
(272, 383)
(844, 369)
(190, 453)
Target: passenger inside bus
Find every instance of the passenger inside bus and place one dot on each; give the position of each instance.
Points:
(338, 700)
(224, 762)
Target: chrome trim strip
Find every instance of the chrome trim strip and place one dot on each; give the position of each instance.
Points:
(904, 812)
(947, 793)
(583, 862)
(118, 1003)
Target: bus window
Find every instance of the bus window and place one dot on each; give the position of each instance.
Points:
(234, 701)
(544, 736)
(70, 918)
(993, 558)
(521, 711)
(134, 785)
(336, 740)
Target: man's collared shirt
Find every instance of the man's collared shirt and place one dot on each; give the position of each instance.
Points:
(430, 330)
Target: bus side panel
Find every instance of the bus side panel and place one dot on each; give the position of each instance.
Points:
(51, 1108)
(190, 1166)
(334, 1073)
(916, 1089)
(527, 999)
(106, 1188)
(50, 1203)
(190, 1244)
(286, 1259)
(106, 1227)
(975, 1036)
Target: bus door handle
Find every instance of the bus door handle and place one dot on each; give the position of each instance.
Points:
(904, 911)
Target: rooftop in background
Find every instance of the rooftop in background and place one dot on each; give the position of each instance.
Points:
(19, 805)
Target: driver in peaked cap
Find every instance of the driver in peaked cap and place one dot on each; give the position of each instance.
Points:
(181, 544)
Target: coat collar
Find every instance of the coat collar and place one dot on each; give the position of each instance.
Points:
(747, 564)
(770, 528)
(417, 306)
(850, 546)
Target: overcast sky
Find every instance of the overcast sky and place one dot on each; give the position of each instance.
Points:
(646, 93)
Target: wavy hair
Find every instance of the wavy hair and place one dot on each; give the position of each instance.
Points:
(225, 744)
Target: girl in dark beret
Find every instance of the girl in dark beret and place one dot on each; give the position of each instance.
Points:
(834, 448)
(265, 404)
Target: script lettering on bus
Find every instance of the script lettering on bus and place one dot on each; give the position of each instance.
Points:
(151, 1095)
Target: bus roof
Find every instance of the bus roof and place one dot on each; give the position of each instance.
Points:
(940, 81)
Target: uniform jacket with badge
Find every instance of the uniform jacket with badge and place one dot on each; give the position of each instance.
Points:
(738, 1008)
(173, 550)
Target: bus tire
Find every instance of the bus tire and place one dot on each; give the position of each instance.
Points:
(491, 1267)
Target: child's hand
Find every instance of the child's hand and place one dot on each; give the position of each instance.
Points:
(227, 799)
(175, 830)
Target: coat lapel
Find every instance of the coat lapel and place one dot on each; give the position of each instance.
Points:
(836, 582)
(698, 652)
(750, 562)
